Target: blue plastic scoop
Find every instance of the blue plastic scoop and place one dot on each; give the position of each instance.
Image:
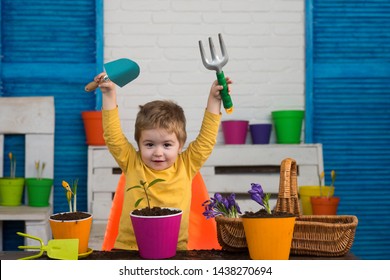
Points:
(120, 72)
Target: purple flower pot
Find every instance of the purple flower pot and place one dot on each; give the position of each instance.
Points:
(260, 133)
(156, 236)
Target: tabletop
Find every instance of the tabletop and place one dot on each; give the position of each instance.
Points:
(180, 255)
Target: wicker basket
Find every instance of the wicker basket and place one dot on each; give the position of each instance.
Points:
(323, 235)
(230, 233)
(313, 235)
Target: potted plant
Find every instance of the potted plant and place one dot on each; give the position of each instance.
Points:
(268, 233)
(72, 224)
(156, 229)
(230, 231)
(325, 204)
(39, 188)
(11, 188)
(306, 192)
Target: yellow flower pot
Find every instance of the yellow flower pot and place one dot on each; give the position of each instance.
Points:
(269, 238)
(306, 192)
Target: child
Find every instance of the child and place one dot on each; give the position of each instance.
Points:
(160, 134)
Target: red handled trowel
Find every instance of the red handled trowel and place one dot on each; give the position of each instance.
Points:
(120, 72)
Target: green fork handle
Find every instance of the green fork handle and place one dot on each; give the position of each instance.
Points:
(226, 100)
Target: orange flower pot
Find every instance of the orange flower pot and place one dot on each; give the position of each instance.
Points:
(324, 205)
(93, 126)
(269, 238)
(306, 192)
(73, 229)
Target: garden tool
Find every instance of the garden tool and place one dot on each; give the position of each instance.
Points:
(121, 72)
(216, 64)
(62, 249)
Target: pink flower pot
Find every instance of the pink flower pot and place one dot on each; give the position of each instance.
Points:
(235, 131)
(156, 236)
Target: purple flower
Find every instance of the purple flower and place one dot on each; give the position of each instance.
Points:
(218, 197)
(257, 194)
(219, 205)
(233, 203)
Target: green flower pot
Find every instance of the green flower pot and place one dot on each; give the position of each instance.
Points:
(11, 191)
(288, 126)
(38, 191)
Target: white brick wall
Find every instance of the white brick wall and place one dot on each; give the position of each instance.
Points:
(264, 40)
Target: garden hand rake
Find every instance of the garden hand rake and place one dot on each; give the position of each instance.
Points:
(216, 64)
(62, 249)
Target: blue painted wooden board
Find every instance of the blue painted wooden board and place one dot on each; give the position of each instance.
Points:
(54, 48)
(348, 110)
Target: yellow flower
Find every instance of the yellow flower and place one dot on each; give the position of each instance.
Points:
(10, 155)
(67, 187)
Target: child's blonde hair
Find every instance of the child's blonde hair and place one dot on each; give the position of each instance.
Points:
(162, 114)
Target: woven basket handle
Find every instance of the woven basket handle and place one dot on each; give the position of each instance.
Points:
(288, 195)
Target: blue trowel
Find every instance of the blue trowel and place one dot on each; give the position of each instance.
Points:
(121, 72)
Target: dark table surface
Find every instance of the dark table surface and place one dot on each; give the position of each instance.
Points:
(180, 255)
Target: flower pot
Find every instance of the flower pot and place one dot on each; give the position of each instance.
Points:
(306, 192)
(38, 191)
(324, 205)
(269, 238)
(260, 133)
(11, 191)
(235, 131)
(64, 227)
(156, 236)
(93, 126)
(288, 126)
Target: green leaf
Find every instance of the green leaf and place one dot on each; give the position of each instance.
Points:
(138, 202)
(333, 175)
(135, 187)
(155, 181)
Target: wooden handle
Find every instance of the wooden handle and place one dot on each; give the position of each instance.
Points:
(91, 86)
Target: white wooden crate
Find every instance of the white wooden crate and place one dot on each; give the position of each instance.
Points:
(243, 164)
(35, 118)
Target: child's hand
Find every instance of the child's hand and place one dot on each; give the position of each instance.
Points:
(105, 86)
(108, 89)
(216, 88)
(215, 100)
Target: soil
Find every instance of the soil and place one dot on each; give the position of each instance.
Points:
(67, 216)
(264, 214)
(155, 211)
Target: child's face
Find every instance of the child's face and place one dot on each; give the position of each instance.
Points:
(159, 149)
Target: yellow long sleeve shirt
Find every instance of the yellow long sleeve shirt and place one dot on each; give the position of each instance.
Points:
(174, 192)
